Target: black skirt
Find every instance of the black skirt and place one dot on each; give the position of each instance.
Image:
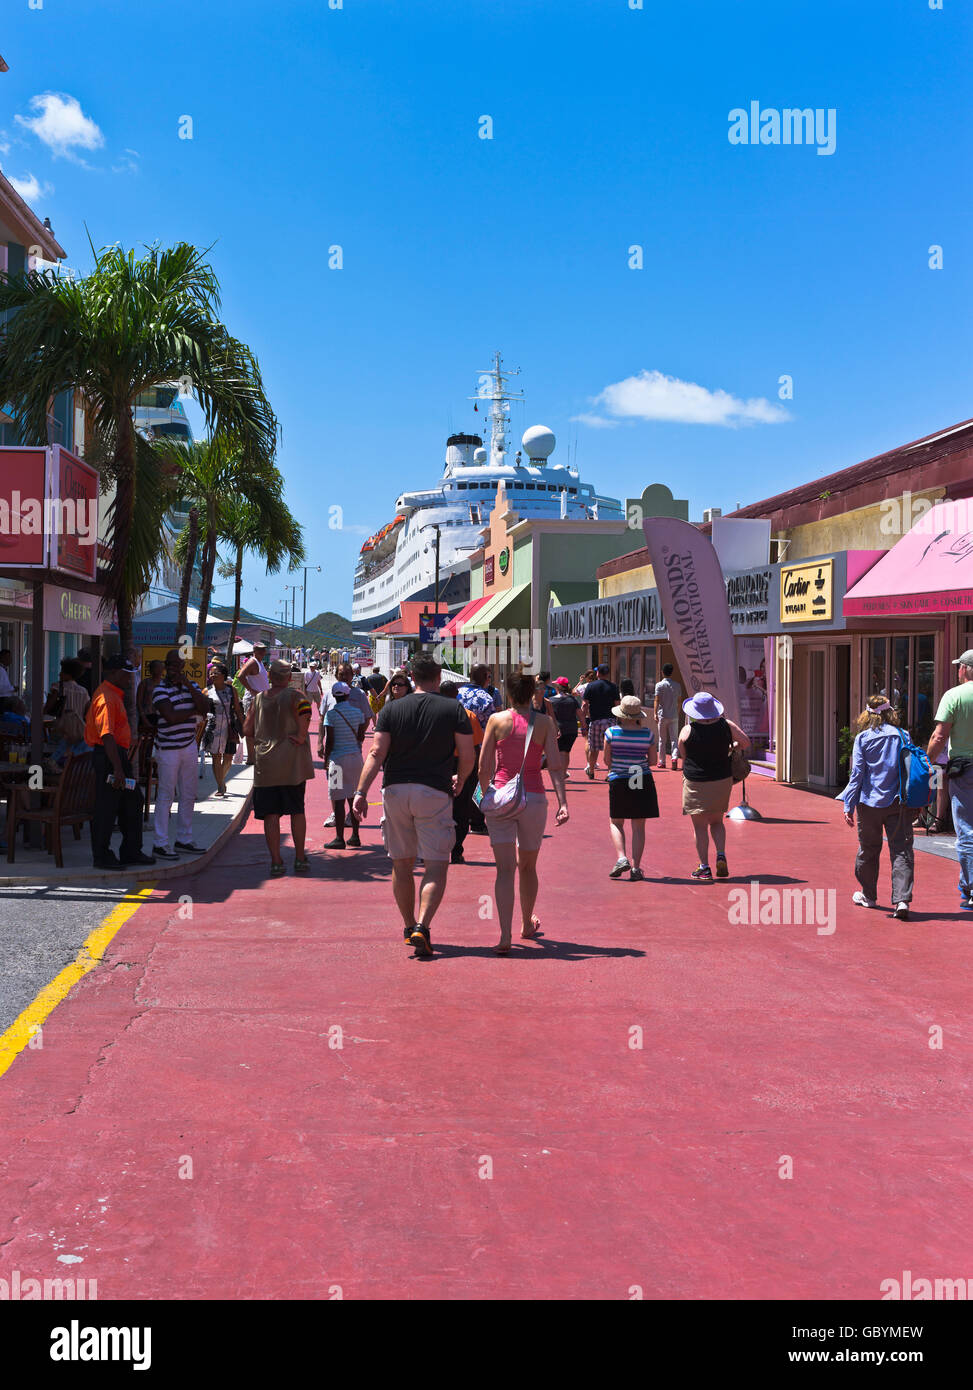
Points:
(626, 802)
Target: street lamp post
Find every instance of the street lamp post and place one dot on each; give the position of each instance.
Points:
(304, 586)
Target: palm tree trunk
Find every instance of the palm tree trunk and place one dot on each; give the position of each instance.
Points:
(208, 566)
(192, 541)
(124, 508)
(235, 620)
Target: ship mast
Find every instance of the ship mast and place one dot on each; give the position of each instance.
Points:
(493, 388)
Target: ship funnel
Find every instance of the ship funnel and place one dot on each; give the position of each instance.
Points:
(460, 449)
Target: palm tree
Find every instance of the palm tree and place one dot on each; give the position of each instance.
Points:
(270, 532)
(205, 474)
(133, 323)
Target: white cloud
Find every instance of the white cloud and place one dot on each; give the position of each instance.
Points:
(4, 143)
(30, 188)
(597, 422)
(62, 125)
(128, 163)
(655, 396)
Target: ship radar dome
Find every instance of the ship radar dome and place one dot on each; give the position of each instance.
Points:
(479, 455)
(538, 442)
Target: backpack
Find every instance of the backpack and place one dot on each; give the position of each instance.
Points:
(915, 774)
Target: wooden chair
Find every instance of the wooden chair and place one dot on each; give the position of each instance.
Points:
(71, 802)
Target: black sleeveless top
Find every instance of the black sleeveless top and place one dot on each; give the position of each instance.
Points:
(708, 750)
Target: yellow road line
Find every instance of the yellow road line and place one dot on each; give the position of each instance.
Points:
(23, 1028)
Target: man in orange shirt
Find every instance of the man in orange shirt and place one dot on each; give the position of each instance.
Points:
(117, 796)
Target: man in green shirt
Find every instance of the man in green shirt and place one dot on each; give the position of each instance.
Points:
(954, 722)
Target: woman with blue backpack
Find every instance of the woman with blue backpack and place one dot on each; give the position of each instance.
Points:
(883, 760)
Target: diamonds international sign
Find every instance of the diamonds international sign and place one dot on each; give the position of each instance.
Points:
(625, 617)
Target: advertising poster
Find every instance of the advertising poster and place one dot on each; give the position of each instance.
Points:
(752, 688)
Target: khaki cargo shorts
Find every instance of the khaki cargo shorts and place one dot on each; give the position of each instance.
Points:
(417, 821)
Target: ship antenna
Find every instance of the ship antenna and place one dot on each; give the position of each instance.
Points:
(493, 387)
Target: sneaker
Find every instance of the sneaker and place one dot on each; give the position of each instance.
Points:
(420, 940)
(620, 866)
(704, 874)
(335, 844)
(722, 871)
(636, 876)
(407, 934)
(139, 858)
(329, 821)
(589, 774)
(860, 900)
(902, 911)
(160, 853)
(190, 848)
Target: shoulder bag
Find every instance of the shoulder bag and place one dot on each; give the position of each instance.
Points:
(506, 802)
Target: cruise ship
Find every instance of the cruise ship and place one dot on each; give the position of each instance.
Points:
(399, 561)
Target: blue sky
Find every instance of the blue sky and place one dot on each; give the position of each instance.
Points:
(359, 127)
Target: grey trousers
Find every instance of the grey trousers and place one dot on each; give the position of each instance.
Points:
(896, 821)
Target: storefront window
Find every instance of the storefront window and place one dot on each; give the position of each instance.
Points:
(650, 674)
(899, 694)
(636, 670)
(621, 668)
(925, 688)
(878, 678)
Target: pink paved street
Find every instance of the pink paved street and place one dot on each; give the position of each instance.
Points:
(490, 1128)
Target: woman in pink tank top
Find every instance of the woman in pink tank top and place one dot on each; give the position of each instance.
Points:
(517, 840)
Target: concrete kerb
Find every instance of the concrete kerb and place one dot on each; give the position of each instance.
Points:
(186, 867)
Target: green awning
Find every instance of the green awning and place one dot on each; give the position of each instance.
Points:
(500, 604)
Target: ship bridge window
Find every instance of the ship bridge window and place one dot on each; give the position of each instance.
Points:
(462, 486)
(529, 487)
(573, 491)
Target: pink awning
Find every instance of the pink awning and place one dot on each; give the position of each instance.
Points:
(454, 627)
(930, 570)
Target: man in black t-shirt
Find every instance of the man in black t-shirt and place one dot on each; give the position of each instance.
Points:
(599, 697)
(419, 740)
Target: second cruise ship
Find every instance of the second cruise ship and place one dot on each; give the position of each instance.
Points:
(399, 561)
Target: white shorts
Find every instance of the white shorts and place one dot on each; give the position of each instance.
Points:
(417, 821)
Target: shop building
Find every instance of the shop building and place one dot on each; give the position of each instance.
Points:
(523, 568)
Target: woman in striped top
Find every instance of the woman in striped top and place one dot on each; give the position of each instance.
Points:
(630, 754)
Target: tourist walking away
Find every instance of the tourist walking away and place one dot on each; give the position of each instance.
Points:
(630, 754)
(278, 726)
(179, 704)
(705, 746)
(665, 706)
(255, 679)
(566, 709)
(954, 730)
(313, 687)
(874, 793)
(476, 697)
(600, 697)
(463, 800)
(357, 696)
(343, 734)
(224, 725)
(424, 746)
(117, 797)
(513, 745)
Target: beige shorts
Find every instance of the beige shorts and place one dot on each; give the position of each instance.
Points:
(709, 798)
(417, 820)
(526, 829)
